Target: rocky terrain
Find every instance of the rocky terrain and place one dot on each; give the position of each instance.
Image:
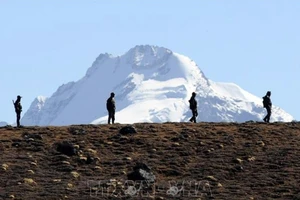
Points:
(151, 161)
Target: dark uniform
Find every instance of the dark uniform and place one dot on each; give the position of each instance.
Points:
(18, 109)
(111, 108)
(268, 105)
(193, 107)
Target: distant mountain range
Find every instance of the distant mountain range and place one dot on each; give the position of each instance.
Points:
(3, 124)
(152, 84)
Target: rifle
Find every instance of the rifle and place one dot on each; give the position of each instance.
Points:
(14, 103)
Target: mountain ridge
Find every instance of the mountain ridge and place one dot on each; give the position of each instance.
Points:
(155, 78)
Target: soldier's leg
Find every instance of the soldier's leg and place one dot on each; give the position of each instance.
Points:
(192, 118)
(18, 119)
(113, 117)
(109, 116)
(265, 118)
(194, 115)
(268, 115)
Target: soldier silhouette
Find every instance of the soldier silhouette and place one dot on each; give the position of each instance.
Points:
(193, 107)
(111, 108)
(18, 109)
(268, 105)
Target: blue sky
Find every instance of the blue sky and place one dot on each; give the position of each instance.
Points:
(253, 43)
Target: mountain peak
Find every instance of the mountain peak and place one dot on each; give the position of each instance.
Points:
(149, 49)
(152, 84)
(145, 55)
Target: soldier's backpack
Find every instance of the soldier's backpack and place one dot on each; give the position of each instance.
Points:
(265, 101)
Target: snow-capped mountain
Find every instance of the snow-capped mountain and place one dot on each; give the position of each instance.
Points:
(3, 124)
(152, 84)
(34, 111)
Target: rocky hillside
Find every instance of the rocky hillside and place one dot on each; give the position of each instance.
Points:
(151, 161)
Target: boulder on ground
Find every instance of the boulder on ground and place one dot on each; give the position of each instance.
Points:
(66, 148)
(141, 172)
(127, 130)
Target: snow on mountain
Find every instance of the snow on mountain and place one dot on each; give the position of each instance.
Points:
(33, 114)
(3, 124)
(152, 84)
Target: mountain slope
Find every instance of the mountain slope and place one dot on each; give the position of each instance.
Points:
(2, 123)
(152, 84)
(234, 161)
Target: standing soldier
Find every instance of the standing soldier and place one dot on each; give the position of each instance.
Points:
(18, 109)
(268, 105)
(111, 108)
(193, 107)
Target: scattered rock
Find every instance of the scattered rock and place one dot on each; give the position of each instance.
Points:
(69, 186)
(251, 159)
(66, 162)
(97, 168)
(238, 160)
(31, 136)
(212, 178)
(92, 151)
(4, 167)
(260, 143)
(66, 148)
(207, 151)
(127, 130)
(29, 181)
(12, 196)
(76, 146)
(86, 159)
(75, 174)
(141, 172)
(176, 144)
(83, 159)
(201, 143)
(128, 158)
(77, 131)
(90, 160)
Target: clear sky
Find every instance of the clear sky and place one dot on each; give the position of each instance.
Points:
(253, 43)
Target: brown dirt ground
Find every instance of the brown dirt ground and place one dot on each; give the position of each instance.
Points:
(190, 161)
